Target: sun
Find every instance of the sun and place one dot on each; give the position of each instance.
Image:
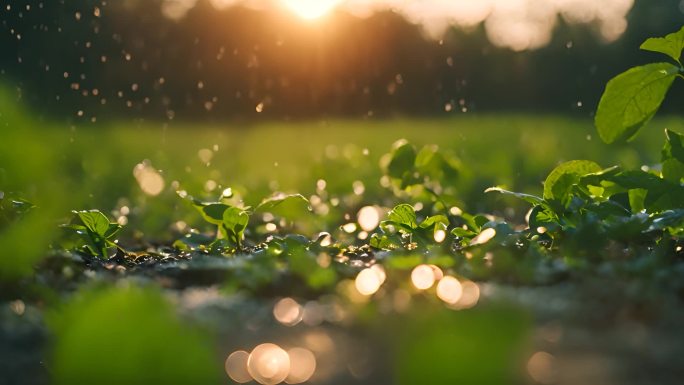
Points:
(311, 9)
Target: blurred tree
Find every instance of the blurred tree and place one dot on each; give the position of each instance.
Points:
(87, 60)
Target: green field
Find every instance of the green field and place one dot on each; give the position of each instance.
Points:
(340, 165)
(92, 166)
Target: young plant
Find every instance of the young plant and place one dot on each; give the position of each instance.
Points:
(588, 205)
(402, 229)
(412, 171)
(94, 232)
(632, 98)
(232, 221)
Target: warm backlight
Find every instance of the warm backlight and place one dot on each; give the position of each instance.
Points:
(311, 9)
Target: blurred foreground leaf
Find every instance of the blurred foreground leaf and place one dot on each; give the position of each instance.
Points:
(127, 336)
(480, 346)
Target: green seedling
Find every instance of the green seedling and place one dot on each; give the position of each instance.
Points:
(94, 233)
(429, 169)
(402, 228)
(232, 221)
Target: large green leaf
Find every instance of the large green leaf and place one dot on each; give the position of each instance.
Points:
(631, 99)
(533, 199)
(286, 206)
(404, 215)
(234, 223)
(674, 146)
(403, 159)
(673, 170)
(94, 220)
(213, 212)
(670, 45)
(557, 185)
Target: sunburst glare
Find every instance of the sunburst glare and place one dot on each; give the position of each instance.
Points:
(311, 9)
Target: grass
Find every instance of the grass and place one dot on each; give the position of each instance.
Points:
(516, 151)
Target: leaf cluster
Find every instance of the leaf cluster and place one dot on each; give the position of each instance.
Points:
(232, 221)
(92, 232)
(428, 169)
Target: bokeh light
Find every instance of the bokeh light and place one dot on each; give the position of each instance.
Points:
(268, 364)
(302, 365)
(368, 218)
(367, 282)
(470, 295)
(423, 277)
(236, 367)
(485, 236)
(288, 312)
(149, 180)
(449, 290)
(542, 368)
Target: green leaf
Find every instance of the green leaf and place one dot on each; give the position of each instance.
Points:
(94, 220)
(674, 146)
(213, 212)
(637, 197)
(94, 231)
(192, 241)
(286, 206)
(673, 170)
(382, 242)
(533, 199)
(21, 206)
(541, 217)
(661, 195)
(669, 218)
(559, 182)
(234, 223)
(670, 45)
(435, 221)
(403, 159)
(113, 229)
(405, 215)
(463, 233)
(427, 159)
(631, 99)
